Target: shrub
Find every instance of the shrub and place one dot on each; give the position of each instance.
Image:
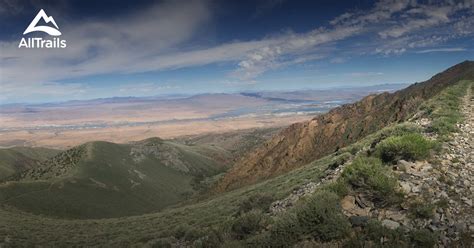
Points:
(193, 234)
(423, 238)
(423, 210)
(370, 174)
(376, 235)
(248, 223)
(259, 201)
(339, 160)
(162, 243)
(442, 203)
(284, 232)
(443, 125)
(339, 187)
(401, 129)
(210, 239)
(383, 236)
(180, 231)
(408, 147)
(320, 216)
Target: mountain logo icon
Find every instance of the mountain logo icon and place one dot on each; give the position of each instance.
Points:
(47, 29)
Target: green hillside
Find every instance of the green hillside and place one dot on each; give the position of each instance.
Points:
(102, 179)
(16, 159)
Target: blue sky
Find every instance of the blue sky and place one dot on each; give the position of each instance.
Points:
(143, 48)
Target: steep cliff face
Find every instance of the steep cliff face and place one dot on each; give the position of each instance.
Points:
(304, 142)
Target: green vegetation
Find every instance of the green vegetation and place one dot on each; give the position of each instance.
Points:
(17, 159)
(341, 159)
(422, 209)
(339, 187)
(370, 174)
(284, 232)
(379, 236)
(320, 216)
(248, 223)
(444, 110)
(373, 139)
(102, 179)
(423, 238)
(407, 146)
(258, 201)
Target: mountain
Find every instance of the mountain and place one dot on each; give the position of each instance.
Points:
(17, 159)
(304, 142)
(102, 179)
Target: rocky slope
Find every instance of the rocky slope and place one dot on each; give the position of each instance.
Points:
(304, 142)
(438, 193)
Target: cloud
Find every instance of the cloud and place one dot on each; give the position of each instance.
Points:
(365, 74)
(161, 37)
(419, 18)
(290, 49)
(102, 46)
(147, 88)
(452, 49)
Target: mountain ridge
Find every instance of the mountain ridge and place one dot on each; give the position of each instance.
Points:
(304, 142)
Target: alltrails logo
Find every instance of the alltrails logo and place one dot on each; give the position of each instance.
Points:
(38, 42)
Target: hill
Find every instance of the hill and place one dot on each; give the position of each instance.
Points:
(102, 179)
(304, 142)
(17, 159)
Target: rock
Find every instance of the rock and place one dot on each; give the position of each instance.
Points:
(395, 216)
(404, 163)
(390, 224)
(362, 202)
(416, 189)
(433, 228)
(436, 219)
(468, 202)
(460, 227)
(348, 202)
(451, 231)
(359, 220)
(443, 194)
(405, 187)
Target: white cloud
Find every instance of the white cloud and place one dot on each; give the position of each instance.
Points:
(158, 38)
(290, 49)
(365, 74)
(452, 49)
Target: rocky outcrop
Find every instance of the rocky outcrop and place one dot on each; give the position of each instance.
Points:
(438, 194)
(304, 142)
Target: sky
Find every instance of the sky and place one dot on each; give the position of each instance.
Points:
(147, 48)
